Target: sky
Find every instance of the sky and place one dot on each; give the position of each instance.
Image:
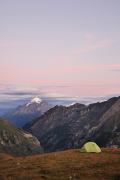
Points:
(59, 48)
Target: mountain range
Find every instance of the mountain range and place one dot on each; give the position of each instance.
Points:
(25, 113)
(60, 127)
(69, 127)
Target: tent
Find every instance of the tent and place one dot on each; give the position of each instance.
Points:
(90, 147)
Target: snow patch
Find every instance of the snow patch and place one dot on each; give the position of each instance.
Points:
(35, 100)
(70, 104)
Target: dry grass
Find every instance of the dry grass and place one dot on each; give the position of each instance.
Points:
(66, 165)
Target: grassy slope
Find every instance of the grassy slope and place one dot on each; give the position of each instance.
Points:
(71, 165)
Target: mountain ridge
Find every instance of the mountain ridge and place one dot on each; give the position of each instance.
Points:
(63, 128)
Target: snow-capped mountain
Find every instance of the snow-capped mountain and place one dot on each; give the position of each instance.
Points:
(25, 113)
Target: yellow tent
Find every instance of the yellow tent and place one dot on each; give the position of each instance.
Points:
(90, 147)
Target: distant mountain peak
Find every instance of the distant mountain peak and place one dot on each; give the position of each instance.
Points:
(26, 112)
(36, 100)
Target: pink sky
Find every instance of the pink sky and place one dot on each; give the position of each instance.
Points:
(74, 44)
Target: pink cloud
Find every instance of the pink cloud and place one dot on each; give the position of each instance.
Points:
(113, 67)
(92, 43)
(23, 73)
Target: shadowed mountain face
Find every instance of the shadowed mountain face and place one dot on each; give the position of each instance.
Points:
(16, 141)
(107, 133)
(25, 113)
(70, 127)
